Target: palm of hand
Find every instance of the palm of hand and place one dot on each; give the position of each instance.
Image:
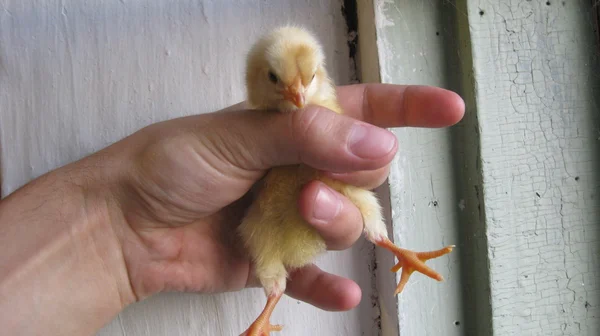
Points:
(184, 208)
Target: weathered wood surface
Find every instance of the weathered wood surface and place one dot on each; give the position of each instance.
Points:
(516, 184)
(76, 76)
(411, 47)
(536, 89)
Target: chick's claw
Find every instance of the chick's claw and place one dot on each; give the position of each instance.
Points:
(411, 261)
(262, 326)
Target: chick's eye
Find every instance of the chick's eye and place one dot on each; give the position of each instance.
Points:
(272, 77)
(313, 77)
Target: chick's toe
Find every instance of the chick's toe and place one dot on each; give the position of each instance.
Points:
(410, 261)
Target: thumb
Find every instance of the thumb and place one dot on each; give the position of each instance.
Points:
(315, 136)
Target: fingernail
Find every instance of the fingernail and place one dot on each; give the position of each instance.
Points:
(327, 205)
(370, 142)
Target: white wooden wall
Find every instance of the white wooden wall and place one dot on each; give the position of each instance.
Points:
(78, 75)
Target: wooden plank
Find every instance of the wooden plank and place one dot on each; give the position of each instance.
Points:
(384, 282)
(411, 45)
(596, 24)
(537, 92)
(79, 75)
(473, 248)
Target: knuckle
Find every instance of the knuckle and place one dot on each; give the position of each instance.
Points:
(302, 122)
(311, 124)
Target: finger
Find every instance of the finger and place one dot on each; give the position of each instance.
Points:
(367, 179)
(315, 136)
(389, 105)
(318, 288)
(243, 105)
(323, 290)
(336, 219)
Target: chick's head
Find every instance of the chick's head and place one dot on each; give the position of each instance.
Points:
(285, 70)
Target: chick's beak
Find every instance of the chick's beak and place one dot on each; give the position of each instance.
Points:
(295, 97)
(294, 93)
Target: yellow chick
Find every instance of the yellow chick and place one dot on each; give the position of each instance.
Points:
(286, 71)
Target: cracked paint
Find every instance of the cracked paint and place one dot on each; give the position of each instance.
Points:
(538, 128)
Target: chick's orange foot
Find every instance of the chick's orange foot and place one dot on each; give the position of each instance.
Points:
(262, 329)
(262, 325)
(411, 261)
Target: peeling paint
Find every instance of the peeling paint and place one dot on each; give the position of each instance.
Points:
(538, 106)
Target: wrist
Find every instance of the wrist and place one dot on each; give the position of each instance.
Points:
(63, 271)
(96, 182)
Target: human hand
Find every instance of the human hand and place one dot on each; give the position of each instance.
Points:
(185, 184)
